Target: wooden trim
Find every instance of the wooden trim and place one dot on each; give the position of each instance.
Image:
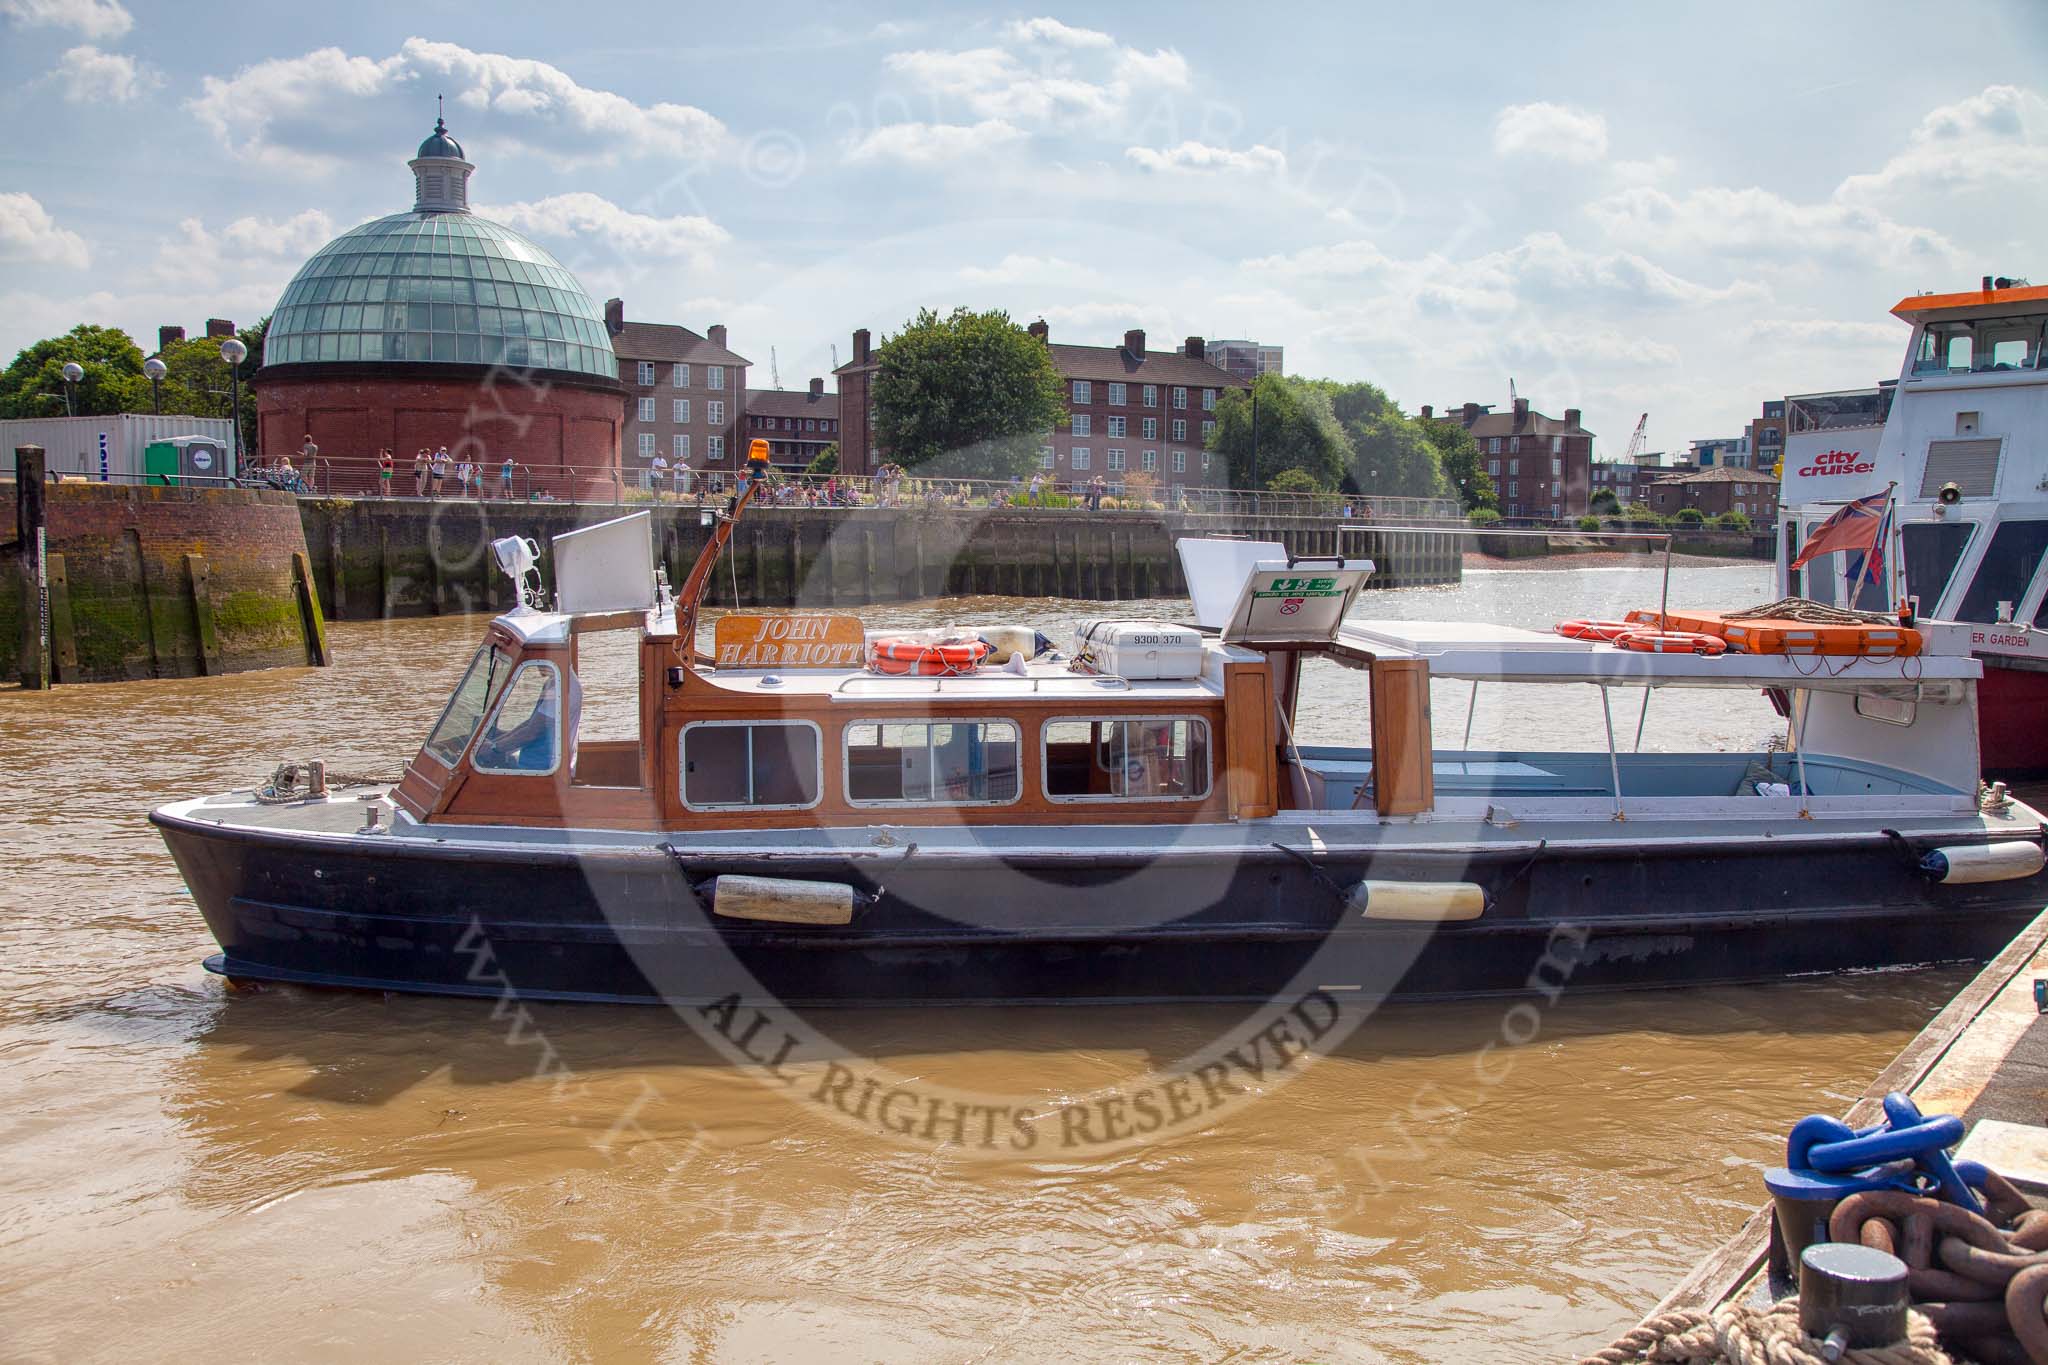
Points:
(1251, 774)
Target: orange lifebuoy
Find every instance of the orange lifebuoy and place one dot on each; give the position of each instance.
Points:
(1671, 642)
(900, 656)
(1592, 630)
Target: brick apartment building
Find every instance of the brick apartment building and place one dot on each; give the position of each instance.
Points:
(1619, 477)
(1540, 466)
(1130, 410)
(1721, 452)
(1247, 359)
(1752, 492)
(1767, 436)
(686, 394)
(798, 425)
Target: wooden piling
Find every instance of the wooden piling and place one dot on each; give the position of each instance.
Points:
(312, 626)
(199, 585)
(32, 530)
(63, 637)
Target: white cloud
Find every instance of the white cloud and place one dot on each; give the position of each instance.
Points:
(1337, 258)
(95, 19)
(88, 75)
(1564, 272)
(1993, 139)
(1199, 156)
(1803, 333)
(1759, 224)
(1053, 31)
(28, 234)
(287, 110)
(260, 253)
(633, 234)
(922, 144)
(1164, 68)
(1016, 268)
(1557, 131)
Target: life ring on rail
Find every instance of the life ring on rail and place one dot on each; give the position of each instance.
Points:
(1671, 642)
(895, 655)
(1593, 630)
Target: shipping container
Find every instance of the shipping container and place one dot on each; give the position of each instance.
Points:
(108, 449)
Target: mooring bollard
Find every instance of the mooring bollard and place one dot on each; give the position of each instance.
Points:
(32, 532)
(1852, 1297)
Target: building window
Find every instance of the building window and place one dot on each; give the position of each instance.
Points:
(1162, 758)
(1205, 462)
(680, 408)
(714, 410)
(1514, 444)
(1083, 391)
(1151, 461)
(1556, 465)
(679, 375)
(1115, 462)
(1084, 425)
(1514, 488)
(1180, 396)
(1116, 395)
(1208, 400)
(960, 763)
(1180, 428)
(1045, 456)
(1151, 395)
(1556, 445)
(1493, 445)
(646, 445)
(1116, 426)
(1151, 428)
(1493, 468)
(682, 445)
(646, 375)
(1180, 462)
(1208, 430)
(646, 409)
(714, 376)
(1078, 457)
(759, 764)
(714, 448)
(1514, 466)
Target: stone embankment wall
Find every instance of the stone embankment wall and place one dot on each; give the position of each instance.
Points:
(156, 582)
(375, 559)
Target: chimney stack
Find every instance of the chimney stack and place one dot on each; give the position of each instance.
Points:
(817, 388)
(1428, 412)
(1041, 331)
(1469, 414)
(1134, 342)
(167, 337)
(1195, 349)
(219, 327)
(1521, 411)
(860, 346)
(1571, 419)
(716, 331)
(614, 316)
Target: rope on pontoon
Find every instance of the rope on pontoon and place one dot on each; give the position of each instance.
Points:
(1741, 1335)
(285, 784)
(1809, 612)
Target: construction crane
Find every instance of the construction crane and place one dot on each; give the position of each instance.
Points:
(1512, 395)
(774, 369)
(1635, 442)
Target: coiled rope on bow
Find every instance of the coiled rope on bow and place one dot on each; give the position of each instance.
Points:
(1741, 1335)
(1809, 612)
(285, 786)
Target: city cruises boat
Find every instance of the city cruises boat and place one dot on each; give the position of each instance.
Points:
(1962, 439)
(813, 814)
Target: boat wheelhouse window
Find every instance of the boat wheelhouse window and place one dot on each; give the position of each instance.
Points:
(1151, 758)
(525, 732)
(956, 763)
(465, 710)
(2007, 571)
(1944, 346)
(1933, 549)
(750, 764)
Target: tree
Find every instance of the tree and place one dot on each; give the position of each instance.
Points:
(1732, 521)
(1390, 455)
(970, 395)
(1297, 430)
(1589, 523)
(1604, 502)
(1689, 516)
(827, 461)
(33, 386)
(1457, 455)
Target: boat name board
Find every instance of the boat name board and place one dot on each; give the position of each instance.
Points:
(798, 641)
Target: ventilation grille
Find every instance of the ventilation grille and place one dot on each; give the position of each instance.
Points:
(1971, 465)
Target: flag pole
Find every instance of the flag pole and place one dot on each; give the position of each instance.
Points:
(1895, 565)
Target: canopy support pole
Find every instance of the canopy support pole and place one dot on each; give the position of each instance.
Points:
(1643, 718)
(1471, 709)
(1613, 759)
(1800, 698)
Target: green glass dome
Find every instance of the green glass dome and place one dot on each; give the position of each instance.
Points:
(441, 288)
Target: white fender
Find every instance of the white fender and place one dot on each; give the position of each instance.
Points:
(2005, 861)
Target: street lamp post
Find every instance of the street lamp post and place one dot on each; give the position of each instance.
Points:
(234, 352)
(73, 372)
(155, 369)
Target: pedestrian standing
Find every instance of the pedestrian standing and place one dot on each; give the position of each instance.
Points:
(438, 470)
(682, 478)
(384, 471)
(657, 475)
(1037, 482)
(464, 472)
(420, 463)
(505, 478)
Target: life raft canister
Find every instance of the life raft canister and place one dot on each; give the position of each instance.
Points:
(897, 655)
(1671, 642)
(1593, 630)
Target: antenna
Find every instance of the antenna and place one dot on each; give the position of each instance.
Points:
(774, 369)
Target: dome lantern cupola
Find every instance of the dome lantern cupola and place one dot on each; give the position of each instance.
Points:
(440, 174)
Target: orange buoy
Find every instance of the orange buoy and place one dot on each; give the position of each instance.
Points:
(899, 656)
(1592, 630)
(1671, 642)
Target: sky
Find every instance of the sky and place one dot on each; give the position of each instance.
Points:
(1626, 208)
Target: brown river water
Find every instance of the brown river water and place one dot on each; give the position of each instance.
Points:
(293, 1175)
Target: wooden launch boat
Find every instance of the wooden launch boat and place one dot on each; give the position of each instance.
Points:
(1126, 819)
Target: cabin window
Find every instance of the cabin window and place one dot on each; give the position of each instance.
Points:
(750, 765)
(465, 710)
(951, 762)
(525, 732)
(1933, 549)
(1147, 758)
(2007, 571)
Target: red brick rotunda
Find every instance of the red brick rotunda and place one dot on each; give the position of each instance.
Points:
(437, 327)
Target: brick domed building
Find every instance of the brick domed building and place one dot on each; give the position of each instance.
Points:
(437, 327)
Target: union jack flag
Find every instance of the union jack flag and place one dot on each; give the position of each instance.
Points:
(1859, 529)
